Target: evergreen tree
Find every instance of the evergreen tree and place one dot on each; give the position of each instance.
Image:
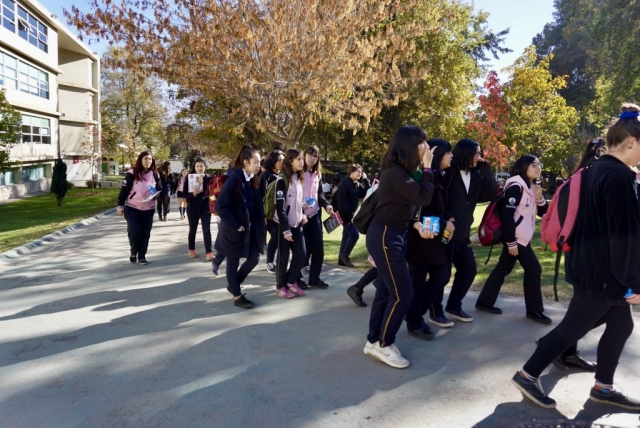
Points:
(59, 180)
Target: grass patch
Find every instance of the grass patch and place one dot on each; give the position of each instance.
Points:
(32, 218)
(513, 283)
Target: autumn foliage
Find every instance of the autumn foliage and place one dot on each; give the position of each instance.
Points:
(487, 123)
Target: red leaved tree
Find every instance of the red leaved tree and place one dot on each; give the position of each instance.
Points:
(488, 121)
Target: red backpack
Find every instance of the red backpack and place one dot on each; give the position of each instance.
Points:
(559, 221)
(213, 191)
(490, 229)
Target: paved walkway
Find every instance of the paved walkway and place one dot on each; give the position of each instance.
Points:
(89, 340)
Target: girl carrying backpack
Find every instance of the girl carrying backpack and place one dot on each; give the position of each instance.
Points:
(523, 200)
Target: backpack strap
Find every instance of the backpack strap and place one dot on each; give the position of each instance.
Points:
(489, 257)
(555, 274)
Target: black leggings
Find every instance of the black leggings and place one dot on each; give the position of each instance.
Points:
(272, 246)
(163, 205)
(581, 316)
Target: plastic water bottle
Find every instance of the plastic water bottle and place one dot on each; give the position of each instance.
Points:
(629, 293)
(151, 189)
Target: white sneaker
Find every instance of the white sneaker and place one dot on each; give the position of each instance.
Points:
(391, 356)
(368, 348)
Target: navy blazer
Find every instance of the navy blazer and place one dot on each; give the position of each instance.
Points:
(231, 207)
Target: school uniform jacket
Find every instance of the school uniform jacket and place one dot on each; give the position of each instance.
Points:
(133, 192)
(519, 212)
(231, 207)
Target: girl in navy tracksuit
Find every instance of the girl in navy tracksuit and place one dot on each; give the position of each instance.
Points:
(405, 184)
(241, 228)
(139, 183)
(198, 210)
(290, 219)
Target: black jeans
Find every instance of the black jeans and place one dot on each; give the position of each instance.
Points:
(235, 276)
(195, 213)
(163, 203)
(139, 225)
(425, 292)
(314, 246)
(350, 237)
(394, 293)
(581, 316)
(459, 255)
(296, 246)
(368, 277)
(532, 271)
(272, 246)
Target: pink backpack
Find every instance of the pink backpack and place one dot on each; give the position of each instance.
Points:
(558, 223)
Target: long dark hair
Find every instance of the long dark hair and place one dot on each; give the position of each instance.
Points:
(138, 169)
(164, 170)
(193, 165)
(403, 149)
(246, 154)
(594, 149)
(521, 166)
(443, 147)
(287, 169)
(272, 160)
(313, 150)
(463, 154)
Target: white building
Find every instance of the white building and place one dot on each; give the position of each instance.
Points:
(53, 80)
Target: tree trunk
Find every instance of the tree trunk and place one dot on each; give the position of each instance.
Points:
(59, 200)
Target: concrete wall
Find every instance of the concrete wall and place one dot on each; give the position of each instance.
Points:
(76, 69)
(75, 104)
(16, 190)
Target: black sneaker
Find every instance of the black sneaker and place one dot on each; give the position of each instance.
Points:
(244, 303)
(539, 317)
(356, 295)
(143, 262)
(345, 261)
(423, 332)
(576, 361)
(615, 398)
(486, 308)
(133, 259)
(303, 285)
(318, 284)
(271, 268)
(532, 390)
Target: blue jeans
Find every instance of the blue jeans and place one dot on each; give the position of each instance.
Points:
(350, 237)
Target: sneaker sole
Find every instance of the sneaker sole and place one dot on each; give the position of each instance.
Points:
(612, 403)
(448, 325)
(526, 394)
(368, 351)
(460, 318)
(389, 363)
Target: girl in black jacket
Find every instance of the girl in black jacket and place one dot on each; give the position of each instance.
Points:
(198, 210)
(349, 192)
(241, 228)
(601, 265)
(164, 200)
(272, 166)
(405, 184)
(429, 256)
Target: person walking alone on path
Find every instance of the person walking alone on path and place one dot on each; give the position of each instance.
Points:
(522, 200)
(198, 210)
(602, 267)
(241, 229)
(347, 197)
(406, 183)
(135, 204)
(272, 166)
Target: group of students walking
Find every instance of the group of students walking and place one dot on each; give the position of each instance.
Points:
(411, 265)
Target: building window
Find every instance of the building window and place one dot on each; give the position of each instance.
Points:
(16, 18)
(34, 81)
(36, 130)
(6, 178)
(32, 172)
(8, 71)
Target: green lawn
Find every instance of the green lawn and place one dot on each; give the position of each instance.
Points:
(32, 218)
(513, 283)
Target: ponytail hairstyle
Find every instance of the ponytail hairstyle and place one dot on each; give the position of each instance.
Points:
(246, 154)
(138, 169)
(315, 151)
(287, 169)
(627, 125)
